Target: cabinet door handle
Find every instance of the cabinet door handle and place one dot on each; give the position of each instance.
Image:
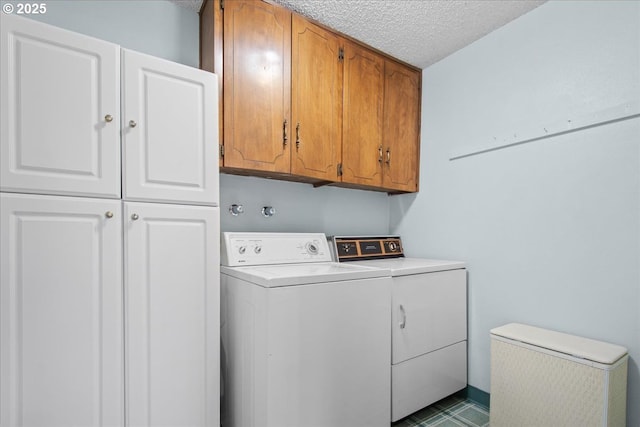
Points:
(388, 156)
(108, 118)
(403, 322)
(285, 138)
(380, 154)
(108, 214)
(298, 136)
(135, 217)
(132, 123)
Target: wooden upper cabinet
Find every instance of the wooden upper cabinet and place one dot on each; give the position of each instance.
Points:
(401, 129)
(257, 75)
(363, 96)
(316, 91)
(304, 103)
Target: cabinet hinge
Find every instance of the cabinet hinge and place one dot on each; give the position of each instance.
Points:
(221, 4)
(222, 151)
(341, 54)
(339, 169)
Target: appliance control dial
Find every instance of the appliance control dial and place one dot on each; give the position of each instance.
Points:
(257, 249)
(393, 246)
(312, 248)
(242, 249)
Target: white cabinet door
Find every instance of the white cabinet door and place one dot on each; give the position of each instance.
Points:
(172, 298)
(170, 135)
(429, 312)
(61, 311)
(59, 115)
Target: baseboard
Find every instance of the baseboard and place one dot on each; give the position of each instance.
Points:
(472, 393)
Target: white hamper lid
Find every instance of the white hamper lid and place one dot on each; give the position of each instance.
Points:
(584, 348)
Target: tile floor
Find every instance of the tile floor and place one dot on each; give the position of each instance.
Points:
(453, 411)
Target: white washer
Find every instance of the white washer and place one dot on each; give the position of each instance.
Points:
(429, 320)
(305, 341)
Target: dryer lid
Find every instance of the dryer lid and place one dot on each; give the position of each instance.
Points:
(407, 266)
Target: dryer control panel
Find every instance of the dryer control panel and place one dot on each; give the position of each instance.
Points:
(369, 247)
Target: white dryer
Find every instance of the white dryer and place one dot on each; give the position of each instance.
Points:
(305, 341)
(429, 320)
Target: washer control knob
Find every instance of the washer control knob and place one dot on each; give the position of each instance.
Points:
(257, 249)
(242, 249)
(393, 246)
(312, 248)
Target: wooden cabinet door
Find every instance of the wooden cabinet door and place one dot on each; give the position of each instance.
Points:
(172, 296)
(401, 127)
(59, 111)
(257, 76)
(362, 116)
(61, 339)
(316, 93)
(169, 131)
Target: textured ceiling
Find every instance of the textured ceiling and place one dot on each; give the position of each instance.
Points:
(420, 32)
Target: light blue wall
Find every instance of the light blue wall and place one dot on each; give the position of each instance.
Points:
(156, 27)
(302, 208)
(550, 228)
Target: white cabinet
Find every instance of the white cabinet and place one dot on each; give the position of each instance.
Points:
(168, 134)
(82, 276)
(171, 286)
(60, 108)
(62, 121)
(61, 324)
(62, 313)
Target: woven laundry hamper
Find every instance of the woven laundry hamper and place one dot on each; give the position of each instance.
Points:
(543, 378)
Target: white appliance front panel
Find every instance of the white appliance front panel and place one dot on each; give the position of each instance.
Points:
(429, 312)
(306, 356)
(271, 276)
(423, 380)
(59, 111)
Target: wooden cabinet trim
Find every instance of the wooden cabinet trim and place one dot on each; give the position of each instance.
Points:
(211, 47)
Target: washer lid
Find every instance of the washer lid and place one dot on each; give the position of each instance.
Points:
(271, 276)
(406, 266)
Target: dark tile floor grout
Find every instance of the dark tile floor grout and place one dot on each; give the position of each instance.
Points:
(452, 411)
